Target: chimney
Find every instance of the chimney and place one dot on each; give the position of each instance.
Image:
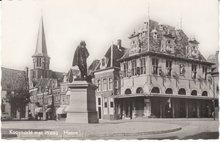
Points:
(216, 56)
(111, 58)
(119, 43)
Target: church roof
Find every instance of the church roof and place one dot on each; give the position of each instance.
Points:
(41, 48)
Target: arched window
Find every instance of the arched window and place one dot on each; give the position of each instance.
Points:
(204, 93)
(182, 91)
(169, 91)
(139, 90)
(128, 91)
(194, 93)
(155, 90)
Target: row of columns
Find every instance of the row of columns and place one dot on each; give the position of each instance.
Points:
(128, 108)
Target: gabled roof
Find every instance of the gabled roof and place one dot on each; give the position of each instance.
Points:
(159, 34)
(13, 79)
(93, 66)
(41, 48)
(58, 75)
(214, 59)
(71, 73)
(117, 52)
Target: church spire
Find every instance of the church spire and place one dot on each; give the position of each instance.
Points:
(41, 48)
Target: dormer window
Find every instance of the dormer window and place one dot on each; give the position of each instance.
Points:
(155, 36)
(154, 33)
(103, 62)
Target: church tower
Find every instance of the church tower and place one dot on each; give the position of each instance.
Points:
(41, 61)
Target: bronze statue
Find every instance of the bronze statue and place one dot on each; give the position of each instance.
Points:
(80, 57)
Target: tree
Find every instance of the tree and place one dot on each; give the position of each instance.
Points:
(18, 99)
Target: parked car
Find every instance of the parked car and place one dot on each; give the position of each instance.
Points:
(5, 116)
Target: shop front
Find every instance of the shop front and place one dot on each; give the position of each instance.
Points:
(166, 106)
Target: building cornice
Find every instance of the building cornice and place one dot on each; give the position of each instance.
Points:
(108, 68)
(150, 53)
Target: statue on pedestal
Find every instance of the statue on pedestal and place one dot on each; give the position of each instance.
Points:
(80, 57)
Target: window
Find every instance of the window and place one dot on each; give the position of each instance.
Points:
(194, 71)
(194, 93)
(103, 62)
(110, 83)
(38, 62)
(204, 93)
(168, 67)
(155, 90)
(125, 69)
(133, 67)
(182, 91)
(143, 66)
(169, 91)
(99, 85)
(3, 107)
(105, 102)
(111, 104)
(128, 91)
(116, 84)
(139, 90)
(204, 72)
(155, 65)
(104, 84)
(99, 101)
(182, 69)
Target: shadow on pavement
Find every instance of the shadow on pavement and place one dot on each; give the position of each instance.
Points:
(204, 135)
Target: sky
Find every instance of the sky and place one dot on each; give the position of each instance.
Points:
(100, 23)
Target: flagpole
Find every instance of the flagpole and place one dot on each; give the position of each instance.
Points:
(148, 24)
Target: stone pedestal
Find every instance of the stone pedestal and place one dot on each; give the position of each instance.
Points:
(82, 104)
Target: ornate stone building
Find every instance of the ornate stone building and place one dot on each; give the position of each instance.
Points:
(164, 74)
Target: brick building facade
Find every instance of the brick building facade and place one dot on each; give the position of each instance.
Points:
(106, 78)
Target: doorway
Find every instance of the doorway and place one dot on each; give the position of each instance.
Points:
(100, 112)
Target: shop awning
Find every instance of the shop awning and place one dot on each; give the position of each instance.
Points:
(39, 110)
(66, 108)
(164, 95)
(48, 109)
(61, 110)
(129, 96)
(183, 96)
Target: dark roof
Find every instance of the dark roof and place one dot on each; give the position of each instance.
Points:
(71, 73)
(118, 52)
(93, 66)
(13, 79)
(58, 75)
(180, 42)
(214, 59)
